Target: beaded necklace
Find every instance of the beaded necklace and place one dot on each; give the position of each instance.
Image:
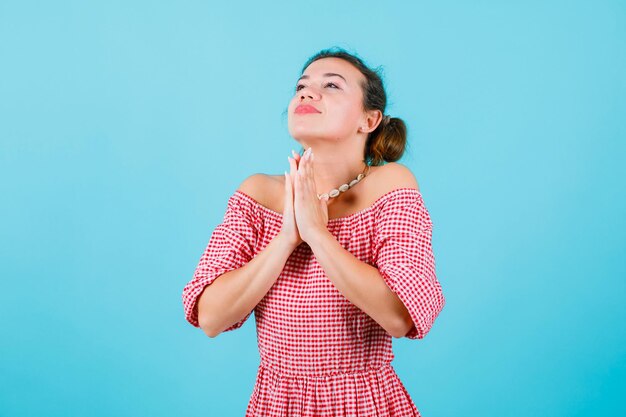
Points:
(345, 187)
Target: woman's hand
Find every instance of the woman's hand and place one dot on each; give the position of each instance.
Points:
(311, 213)
(289, 227)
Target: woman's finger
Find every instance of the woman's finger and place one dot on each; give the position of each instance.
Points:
(290, 171)
(301, 165)
(293, 173)
(307, 171)
(312, 176)
(286, 189)
(293, 166)
(309, 166)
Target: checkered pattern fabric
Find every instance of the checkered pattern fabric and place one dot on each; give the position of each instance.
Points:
(320, 354)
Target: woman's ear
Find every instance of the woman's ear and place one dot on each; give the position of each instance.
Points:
(372, 120)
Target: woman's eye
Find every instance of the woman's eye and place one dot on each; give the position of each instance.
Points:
(300, 85)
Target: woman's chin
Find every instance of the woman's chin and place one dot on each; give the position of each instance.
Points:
(308, 134)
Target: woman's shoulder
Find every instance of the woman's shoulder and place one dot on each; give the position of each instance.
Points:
(390, 176)
(391, 186)
(386, 183)
(263, 189)
(253, 184)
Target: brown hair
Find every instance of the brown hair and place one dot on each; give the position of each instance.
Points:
(388, 141)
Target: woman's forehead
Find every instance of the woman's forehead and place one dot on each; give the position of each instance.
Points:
(331, 66)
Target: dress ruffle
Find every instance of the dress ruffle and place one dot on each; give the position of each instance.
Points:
(375, 392)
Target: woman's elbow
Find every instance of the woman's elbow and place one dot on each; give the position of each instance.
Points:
(207, 326)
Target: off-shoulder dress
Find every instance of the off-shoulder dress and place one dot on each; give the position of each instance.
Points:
(320, 355)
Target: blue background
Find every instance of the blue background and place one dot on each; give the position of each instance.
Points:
(125, 126)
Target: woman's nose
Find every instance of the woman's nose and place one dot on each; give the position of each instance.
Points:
(308, 92)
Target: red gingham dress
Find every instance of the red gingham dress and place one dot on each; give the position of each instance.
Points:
(320, 354)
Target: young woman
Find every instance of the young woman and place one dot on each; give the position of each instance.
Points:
(334, 257)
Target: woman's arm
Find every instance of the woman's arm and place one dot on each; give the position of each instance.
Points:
(235, 293)
(362, 285)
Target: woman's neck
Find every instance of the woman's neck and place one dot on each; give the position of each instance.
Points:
(331, 169)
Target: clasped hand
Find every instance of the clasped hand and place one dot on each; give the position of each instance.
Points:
(304, 214)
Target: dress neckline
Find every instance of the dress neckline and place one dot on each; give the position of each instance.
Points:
(378, 201)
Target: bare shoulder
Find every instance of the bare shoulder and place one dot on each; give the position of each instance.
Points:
(250, 185)
(380, 180)
(391, 176)
(262, 188)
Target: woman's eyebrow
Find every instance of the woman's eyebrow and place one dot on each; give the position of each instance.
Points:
(328, 74)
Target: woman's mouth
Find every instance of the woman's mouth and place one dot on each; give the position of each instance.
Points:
(306, 108)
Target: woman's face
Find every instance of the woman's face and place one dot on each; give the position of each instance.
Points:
(337, 98)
